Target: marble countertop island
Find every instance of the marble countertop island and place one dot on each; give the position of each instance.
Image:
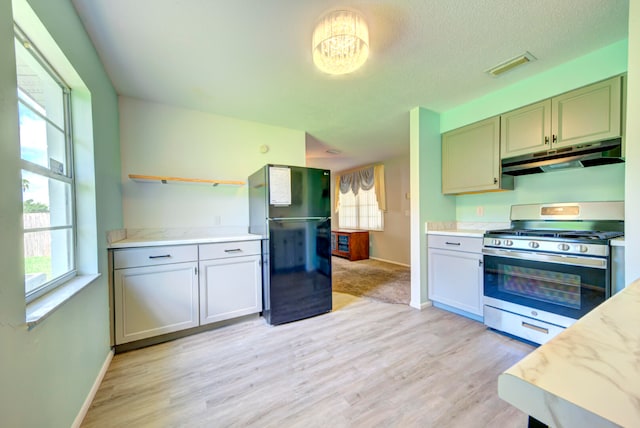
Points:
(587, 376)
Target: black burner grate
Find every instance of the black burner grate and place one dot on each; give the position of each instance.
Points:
(566, 234)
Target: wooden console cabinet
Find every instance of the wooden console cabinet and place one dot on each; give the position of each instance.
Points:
(350, 244)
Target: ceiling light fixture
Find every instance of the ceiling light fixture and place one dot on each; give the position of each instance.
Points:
(511, 64)
(340, 42)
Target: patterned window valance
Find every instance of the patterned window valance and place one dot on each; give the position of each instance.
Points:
(365, 179)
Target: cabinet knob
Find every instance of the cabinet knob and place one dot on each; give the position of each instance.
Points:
(546, 139)
(495, 180)
(554, 138)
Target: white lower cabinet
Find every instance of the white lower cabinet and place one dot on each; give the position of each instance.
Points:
(455, 272)
(165, 289)
(155, 300)
(230, 288)
(230, 280)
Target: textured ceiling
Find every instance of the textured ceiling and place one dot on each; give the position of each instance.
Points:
(251, 59)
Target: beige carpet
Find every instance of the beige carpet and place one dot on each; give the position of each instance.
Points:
(377, 280)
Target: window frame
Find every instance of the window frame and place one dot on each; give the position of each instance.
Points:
(67, 177)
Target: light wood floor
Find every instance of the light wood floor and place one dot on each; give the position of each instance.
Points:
(366, 364)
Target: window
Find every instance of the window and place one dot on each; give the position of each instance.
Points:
(47, 171)
(360, 199)
(360, 211)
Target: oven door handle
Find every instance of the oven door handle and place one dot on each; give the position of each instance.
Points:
(592, 262)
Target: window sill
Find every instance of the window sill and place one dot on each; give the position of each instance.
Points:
(42, 307)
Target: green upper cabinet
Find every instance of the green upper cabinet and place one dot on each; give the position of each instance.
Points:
(526, 130)
(471, 159)
(586, 115)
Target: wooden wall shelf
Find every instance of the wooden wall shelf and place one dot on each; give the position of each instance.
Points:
(165, 180)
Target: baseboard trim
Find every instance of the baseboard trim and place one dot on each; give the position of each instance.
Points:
(421, 306)
(94, 389)
(390, 261)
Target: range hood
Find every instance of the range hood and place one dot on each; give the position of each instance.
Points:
(579, 156)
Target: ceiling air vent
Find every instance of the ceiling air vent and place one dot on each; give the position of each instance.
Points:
(511, 64)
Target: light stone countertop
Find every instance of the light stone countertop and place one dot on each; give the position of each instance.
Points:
(151, 241)
(617, 242)
(458, 232)
(469, 229)
(588, 375)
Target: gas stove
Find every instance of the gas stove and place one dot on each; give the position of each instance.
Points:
(578, 235)
(550, 267)
(585, 242)
(571, 228)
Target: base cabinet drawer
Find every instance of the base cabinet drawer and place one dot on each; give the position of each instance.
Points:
(521, 326)
(152, 256)
(155, 300)
(229, 249)
(455, 243)
(230, 288)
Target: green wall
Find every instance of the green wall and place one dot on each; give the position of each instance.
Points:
(602, 183)
(427, 201)
(589, 184)
(46, 373)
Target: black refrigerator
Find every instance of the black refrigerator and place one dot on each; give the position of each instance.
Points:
(290, 207)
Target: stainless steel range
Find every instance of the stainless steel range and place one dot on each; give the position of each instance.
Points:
(550, 268)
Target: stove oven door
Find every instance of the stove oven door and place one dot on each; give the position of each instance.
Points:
(569, 286)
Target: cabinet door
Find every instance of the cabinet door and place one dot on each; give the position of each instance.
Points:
(455, 279)
(230, 288)
(471, 158)
(155, 300)
(525, 130)
(588, 114)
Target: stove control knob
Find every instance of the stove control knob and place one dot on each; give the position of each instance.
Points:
(533, 244)
(508, 242)
(563, 247)
(583, 248)
(496, 242)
